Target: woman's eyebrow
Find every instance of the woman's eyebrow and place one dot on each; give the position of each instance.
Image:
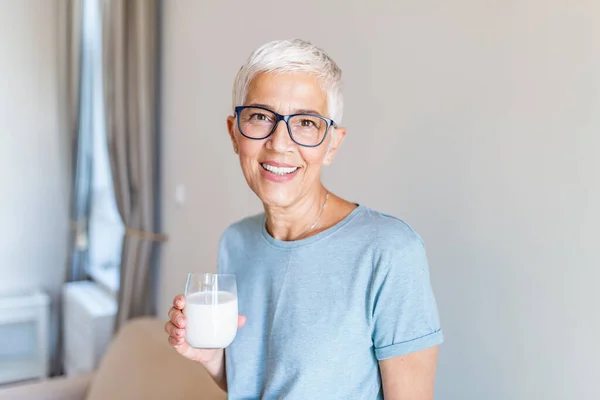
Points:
(305, 111)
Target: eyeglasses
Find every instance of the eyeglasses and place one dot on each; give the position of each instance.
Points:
(308, 130)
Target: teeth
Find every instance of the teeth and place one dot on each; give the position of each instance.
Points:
(279, 170)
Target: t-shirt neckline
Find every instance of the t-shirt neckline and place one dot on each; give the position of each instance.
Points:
(311, 239)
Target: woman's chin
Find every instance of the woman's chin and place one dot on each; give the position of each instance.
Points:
(277, 198)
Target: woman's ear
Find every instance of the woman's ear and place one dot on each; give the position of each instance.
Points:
(232, 135)
(335, 141)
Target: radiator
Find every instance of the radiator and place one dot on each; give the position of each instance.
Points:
(88, 324)
(24, 332)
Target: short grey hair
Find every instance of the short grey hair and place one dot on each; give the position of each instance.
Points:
(288, 56)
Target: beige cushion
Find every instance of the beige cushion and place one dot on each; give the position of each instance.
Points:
(61, 388)
(140, 364)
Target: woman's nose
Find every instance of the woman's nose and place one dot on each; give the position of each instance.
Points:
(280, 141)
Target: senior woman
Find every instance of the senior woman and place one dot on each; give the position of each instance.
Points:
(335, 296)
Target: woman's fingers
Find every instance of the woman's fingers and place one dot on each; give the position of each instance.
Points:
(173, 312)
(241, 320)
(179, 344)
(174, 331)
(179, 302)
(177, 317)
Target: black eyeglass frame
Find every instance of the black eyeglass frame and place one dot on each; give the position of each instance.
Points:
(286, 119)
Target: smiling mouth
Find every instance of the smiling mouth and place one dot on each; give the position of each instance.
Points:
(279, 170)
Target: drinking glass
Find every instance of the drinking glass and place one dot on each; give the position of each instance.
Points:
(211, 309)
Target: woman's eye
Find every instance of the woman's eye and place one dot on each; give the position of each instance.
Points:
(307, 123)
(259, 117)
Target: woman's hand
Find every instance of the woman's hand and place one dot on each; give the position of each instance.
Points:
(175, 327)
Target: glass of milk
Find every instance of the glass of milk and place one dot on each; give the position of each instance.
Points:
(211, 309)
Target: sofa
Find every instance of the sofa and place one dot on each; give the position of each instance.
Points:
(139, 364)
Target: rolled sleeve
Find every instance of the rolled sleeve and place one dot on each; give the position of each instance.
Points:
(410, 346)
(405, 314)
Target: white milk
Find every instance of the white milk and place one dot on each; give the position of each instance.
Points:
(212, 319)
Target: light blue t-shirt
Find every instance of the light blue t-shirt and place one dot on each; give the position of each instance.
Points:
(323, 310)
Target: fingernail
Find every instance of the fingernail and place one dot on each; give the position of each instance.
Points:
(179, 320)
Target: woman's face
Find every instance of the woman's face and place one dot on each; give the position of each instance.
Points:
(285, 94)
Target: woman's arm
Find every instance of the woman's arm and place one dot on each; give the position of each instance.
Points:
(411, 376)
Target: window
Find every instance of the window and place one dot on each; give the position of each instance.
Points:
(105, 224)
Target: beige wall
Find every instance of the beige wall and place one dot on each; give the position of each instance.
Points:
(34, 151)
(477, 122)
(34, 163)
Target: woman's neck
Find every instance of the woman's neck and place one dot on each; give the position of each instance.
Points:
(299, 220)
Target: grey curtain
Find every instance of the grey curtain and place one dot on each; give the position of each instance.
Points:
(74, 67)
(130, 62)
(79, 93)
